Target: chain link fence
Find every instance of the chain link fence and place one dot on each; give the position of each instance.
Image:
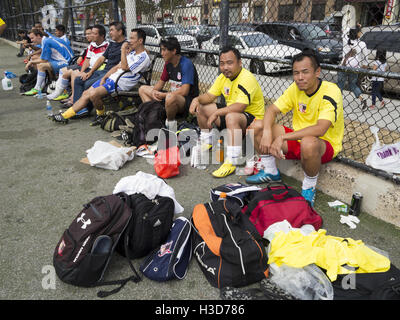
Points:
(267, 33)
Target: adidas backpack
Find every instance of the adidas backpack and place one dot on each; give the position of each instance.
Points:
(149, 226)
(228, 248)
(86, 247)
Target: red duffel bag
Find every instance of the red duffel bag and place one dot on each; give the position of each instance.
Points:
(167, 162)
(278, 202)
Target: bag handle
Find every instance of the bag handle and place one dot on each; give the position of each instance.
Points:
(277, 184)
(280, 196)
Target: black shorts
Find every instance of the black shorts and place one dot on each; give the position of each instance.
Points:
(249, 117)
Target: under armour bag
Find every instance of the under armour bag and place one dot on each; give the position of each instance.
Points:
(85, 249)
(228, 248)
(278, 202)
(171, 259)
(149, 226)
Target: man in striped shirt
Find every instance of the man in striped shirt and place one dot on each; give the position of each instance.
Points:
(134, 59)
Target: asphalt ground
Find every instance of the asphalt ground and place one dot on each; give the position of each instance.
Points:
(44, 185)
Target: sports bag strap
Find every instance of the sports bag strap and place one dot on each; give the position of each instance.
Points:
(277, 184)
(122, 283)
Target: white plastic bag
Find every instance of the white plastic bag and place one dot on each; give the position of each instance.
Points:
(308, 283)
(384, 157)
(105, 155)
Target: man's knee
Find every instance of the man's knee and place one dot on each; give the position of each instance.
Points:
(310, 147)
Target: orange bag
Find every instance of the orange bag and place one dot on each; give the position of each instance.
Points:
(167, 162)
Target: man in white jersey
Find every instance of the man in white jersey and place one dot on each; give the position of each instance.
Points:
(134, 59)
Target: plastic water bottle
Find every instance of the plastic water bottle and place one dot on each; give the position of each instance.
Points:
(49, 109)
(6, 83)
(220, 152)
(39, 94)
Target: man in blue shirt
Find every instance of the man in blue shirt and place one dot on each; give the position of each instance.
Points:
(182, 76)
(55, 55)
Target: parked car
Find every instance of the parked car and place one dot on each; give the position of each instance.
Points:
(154, 34)
(206, 33)
(242, 27)
(304, 35)
(385, 37)
(331, 29)
(256, 44)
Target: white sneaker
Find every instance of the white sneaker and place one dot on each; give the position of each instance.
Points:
(57, 92)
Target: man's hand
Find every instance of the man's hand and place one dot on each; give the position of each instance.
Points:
(158, 95)
(194, 106)
(265, 142)
(276, 148)
(126, 47)
(211, 120)
(86, 76)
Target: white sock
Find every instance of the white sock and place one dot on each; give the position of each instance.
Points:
(233, 153)
(269, 164)
(40, 81)
(309, 182)
(171, 125)
(206, 137)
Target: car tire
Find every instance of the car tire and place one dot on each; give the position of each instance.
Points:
(210, 60)
(257, 67)
(365, 83)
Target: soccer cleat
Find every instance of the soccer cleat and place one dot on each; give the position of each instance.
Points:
(224, 170)
(61, 97)
(97, 121)
(309, 195)
(262, 176)
(59, 118)
(32, 92)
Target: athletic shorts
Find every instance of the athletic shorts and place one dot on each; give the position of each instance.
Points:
(109, 85)
(294, 149)
(249, 117)
(57, 66)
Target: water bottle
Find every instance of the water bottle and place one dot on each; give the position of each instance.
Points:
(220, 152)
(39, 94)
(196, 158)
(6, 83)
(49, 109)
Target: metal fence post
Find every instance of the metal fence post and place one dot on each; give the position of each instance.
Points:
(130, 13)
(224, 23)
(115, 10)
(71, 18)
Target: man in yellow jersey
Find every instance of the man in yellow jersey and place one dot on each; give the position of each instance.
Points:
(244, 103)
(3, 26)
(318, 125)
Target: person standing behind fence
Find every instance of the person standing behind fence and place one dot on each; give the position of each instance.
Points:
(377, 82)
(351, 40)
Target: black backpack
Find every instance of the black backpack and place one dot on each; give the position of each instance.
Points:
(85, 249)
(227, 246)
(150, 115)
(149, 226)
(28, 81)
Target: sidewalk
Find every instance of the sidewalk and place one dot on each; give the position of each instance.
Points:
(44, 187)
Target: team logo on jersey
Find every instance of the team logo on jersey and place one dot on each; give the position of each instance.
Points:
(226, 90)
(302, 107)
(179, 76)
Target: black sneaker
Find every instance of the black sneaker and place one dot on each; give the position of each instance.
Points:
(97, 121)
(273, 292)
(59, 118)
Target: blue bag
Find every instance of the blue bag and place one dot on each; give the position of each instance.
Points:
(172, 259)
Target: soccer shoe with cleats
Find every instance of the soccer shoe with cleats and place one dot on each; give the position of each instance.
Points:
(263, 176)
(224, 170)
(309, 195)
(32, 92)
(59, 118)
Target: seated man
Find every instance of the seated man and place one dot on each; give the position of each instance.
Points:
(112, 55)
(55, 55)
(96, 49)
(318, 125)
(134, 57)
(182, 76)
(22, 40)
(244, 103)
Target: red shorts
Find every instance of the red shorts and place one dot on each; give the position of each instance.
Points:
(294, 149)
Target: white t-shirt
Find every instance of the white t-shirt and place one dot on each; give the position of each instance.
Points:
(361, 55)
(380, 67)
(96, 51)
(137, 63)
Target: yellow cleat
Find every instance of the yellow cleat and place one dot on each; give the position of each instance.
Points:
(225, 170)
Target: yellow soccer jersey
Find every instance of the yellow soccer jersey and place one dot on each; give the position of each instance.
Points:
(326, 103)
(2, 22)
(243, 89)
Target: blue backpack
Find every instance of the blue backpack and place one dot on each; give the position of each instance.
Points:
(171, 259)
